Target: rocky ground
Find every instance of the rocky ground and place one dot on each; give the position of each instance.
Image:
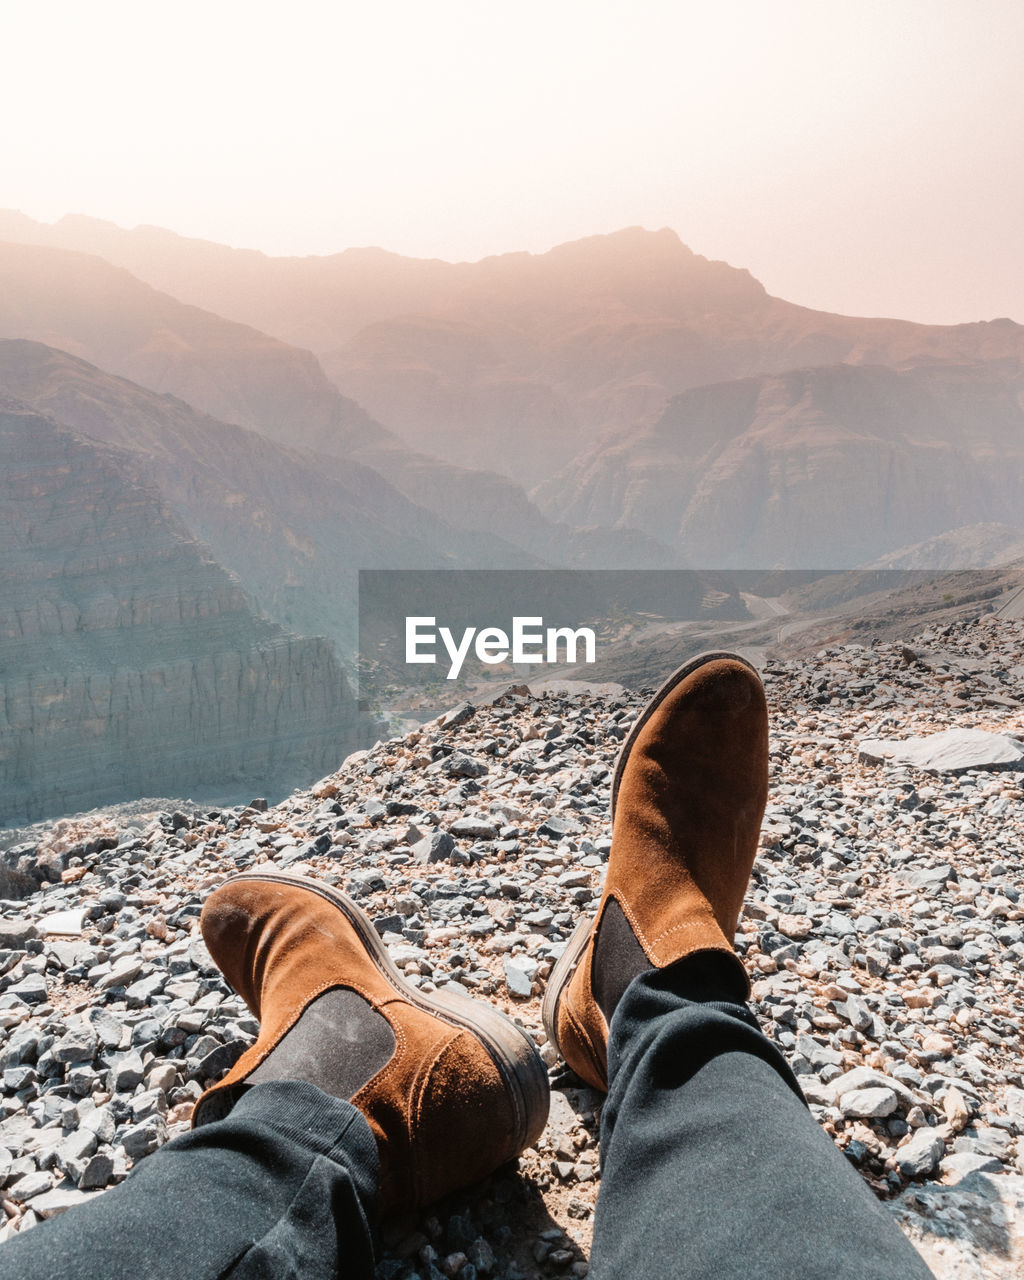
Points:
(884, 933)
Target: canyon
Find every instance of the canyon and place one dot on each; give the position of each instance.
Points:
(131, 663)
(254, 431)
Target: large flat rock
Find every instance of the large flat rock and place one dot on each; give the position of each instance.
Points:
(951, 751)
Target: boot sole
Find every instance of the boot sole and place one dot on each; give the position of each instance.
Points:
(513, 1052)
(565, 966)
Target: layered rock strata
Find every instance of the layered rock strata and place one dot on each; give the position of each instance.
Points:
(130, 661)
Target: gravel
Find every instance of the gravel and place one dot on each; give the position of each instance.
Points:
(884, 934)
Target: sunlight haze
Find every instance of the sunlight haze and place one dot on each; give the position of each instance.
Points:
(862, 158)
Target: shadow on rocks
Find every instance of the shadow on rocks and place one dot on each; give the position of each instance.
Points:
(499, 1229)
(972, 1227)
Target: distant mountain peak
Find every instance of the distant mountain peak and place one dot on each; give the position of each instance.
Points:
(85, 222)
(664, 238)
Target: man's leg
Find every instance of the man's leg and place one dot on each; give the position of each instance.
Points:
(712, 1166)
(285, 1186)
(360, 1092)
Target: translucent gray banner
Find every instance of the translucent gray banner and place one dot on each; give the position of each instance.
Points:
(430, 637)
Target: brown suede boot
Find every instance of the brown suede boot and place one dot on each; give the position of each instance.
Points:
(688, 795)
(450, 1086)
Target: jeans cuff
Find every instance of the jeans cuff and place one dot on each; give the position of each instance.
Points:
(317, 1122)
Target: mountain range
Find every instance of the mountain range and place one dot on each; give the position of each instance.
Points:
(618, 402)
(294, 526)
(518, 362)
(82, 305)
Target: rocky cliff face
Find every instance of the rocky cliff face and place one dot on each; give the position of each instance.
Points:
(130, 661)
(815, 468)
(985, 545)
(83, 305)
(293, 525)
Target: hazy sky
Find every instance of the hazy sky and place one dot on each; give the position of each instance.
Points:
(864, 156)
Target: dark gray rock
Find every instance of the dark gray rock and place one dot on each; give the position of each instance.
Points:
(474, 829)
(436, 847)
(921, 1154)
(457, 715)
(15, 933)
(460, 765)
